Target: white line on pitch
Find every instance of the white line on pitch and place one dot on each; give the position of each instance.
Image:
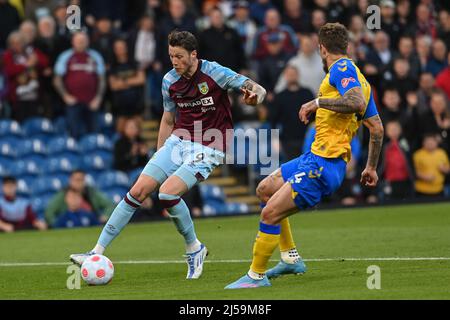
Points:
(44, 264)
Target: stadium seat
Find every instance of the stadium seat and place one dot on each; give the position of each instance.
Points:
(47, 186)
(62, 164)
(97, 161)
(10, 128)
(38, 126)
(236, 208)
(62, 146)
(212, 193)
(115, 194)
(4, 169)
(112, 179)
(8, 150)
(31, 147)
(39, 204)
(60, 125)
(25, 168)
(95, 142)
(24, 188)
(105, 124)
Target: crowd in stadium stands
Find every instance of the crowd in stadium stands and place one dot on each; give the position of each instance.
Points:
(115, 66)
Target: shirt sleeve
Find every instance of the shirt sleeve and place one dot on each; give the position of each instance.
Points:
(371, 110)
(168, 103)
(100, 63)
(224, 77)
(61, 63)
(343, 76)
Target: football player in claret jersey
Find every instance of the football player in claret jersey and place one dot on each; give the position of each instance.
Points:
(345, 101)
(191, 144)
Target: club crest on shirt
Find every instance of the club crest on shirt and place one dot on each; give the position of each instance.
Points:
(203, 87)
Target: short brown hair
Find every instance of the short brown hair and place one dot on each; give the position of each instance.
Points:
(183, 39)
(334, 37)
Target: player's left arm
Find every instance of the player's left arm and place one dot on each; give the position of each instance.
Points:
(369, 176)
(254, 93)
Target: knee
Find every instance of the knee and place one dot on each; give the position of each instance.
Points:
(271, 216)
(140, 192)
(262, 191)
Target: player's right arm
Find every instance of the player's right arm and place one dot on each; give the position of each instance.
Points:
(369, 176)
(166, 127)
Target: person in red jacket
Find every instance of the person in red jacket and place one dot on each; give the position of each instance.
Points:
(443, 78)
(22, 66)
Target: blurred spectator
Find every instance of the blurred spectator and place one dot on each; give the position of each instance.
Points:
(273, 25)
(23, 65)
(258, 10)
(95, 9)
(438, 59)
(396, 167)
(16, 213)
(77, 215)
(80, 81)
(178, 18)
(402, 79)
(244, 26)
(103, 38)
(437, 119)
(444, 26)
(126, 82)
(296, 16)
(272, 65)
(93, 200)
(404, 14)
(308, 62)
(406, 51)
(284, 111)
(389, 23)
(426, 85)
(318, 19)
(48, 43)
(222, 44)
(37, 9)
(130, 152)
(143, 49)
(358, 31)
(378, 60)
(423, 48)
(62, 32)
(9, 21)
(392, 108)
(431, 164)
(443, 78)
(424, 24)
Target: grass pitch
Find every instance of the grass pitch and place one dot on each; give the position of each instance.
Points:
(338, 247)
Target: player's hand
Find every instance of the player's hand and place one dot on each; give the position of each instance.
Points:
(250, 98)
(307, 110)
(369, 178)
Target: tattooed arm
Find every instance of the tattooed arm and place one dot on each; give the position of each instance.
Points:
(352, 102)
(254, 93)
(369, 176)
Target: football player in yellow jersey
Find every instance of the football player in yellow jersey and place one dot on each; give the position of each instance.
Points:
(345, 101)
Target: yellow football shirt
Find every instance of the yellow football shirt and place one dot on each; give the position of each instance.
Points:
(335, 131)
(428, 163)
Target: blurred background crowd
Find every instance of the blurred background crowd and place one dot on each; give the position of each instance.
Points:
(72, 104)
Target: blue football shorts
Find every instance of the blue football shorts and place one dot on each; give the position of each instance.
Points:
(312, 178)
(192, 162)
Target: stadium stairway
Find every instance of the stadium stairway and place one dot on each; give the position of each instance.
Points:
(235, 190)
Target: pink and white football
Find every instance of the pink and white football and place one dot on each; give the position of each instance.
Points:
(97, 270)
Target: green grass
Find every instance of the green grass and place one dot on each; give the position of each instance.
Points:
(409, 231)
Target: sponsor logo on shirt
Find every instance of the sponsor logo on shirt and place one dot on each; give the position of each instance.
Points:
(346, 81)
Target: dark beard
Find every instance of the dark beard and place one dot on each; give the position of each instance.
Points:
(325, 67)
